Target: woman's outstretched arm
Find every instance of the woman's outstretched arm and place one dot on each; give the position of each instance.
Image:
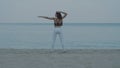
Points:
(50, 18)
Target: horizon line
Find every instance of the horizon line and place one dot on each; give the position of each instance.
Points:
(51, 23)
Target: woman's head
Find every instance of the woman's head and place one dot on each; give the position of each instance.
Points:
(58, 15)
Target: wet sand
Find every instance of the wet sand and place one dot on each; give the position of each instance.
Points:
(72, 58)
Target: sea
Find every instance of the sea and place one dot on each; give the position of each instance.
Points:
(76, 36)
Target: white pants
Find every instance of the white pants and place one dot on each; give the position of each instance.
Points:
(57, 31)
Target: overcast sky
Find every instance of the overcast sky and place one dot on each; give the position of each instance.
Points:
(81, 11)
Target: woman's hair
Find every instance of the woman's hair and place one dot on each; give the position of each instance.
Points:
(58, 15)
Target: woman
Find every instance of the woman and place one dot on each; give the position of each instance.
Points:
(58, 22)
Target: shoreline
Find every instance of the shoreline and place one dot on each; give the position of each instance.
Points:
(67, 51)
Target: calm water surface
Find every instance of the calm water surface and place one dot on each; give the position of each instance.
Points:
(76, 36)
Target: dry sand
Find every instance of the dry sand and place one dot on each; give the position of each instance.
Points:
(73, 58)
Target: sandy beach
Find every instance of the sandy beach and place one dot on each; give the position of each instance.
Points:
(72, 58)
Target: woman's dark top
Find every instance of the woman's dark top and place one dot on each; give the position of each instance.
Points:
(58, 22)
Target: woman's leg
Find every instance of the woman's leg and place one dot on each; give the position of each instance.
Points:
(61, 38)
(54, 39)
